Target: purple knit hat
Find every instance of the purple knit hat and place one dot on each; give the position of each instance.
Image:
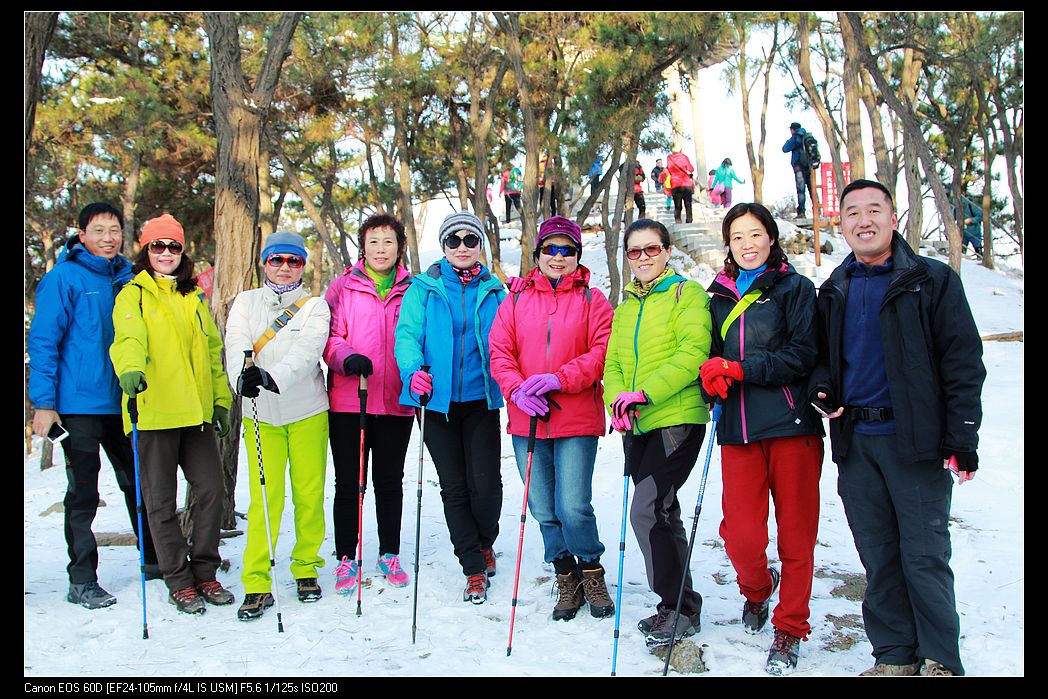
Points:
(558, 225)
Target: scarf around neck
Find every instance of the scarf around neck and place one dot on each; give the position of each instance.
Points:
(283, 289)
(640, 289)
(468, 275)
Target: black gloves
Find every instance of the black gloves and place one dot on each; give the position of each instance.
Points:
(357, 365)
(252, 378)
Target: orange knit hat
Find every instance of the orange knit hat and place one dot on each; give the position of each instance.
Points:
(163, 227)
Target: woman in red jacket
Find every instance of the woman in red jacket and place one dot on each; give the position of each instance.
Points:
(365, 305)
(555, 302)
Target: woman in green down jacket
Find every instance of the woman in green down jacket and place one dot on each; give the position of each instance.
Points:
(659, 337)
(167, 353)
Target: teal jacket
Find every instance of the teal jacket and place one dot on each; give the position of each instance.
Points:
(425, 336)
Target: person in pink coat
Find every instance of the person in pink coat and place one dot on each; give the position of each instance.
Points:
(548, 344)
(365, 305)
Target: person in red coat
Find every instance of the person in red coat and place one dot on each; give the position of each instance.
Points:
(554, 303)
(680, 172)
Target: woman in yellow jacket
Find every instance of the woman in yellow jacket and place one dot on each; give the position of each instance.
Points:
(168, 355)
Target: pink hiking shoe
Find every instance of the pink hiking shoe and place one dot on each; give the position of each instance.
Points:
(347, 577)
(389, 565)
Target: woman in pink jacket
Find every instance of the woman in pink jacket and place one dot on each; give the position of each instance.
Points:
(555, 303)
(365, 305)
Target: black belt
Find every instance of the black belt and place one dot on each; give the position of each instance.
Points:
(867, 414)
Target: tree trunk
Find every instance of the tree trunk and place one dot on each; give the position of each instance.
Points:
(852, 99)
(887, 167)
(266, 221)
(910, 122)
(911, 69)
(239, 117)
(317, 288)
(39, 26)
(829, 126)
(407, 214)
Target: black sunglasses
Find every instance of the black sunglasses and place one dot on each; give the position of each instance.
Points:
(565, 250)
(158, 246)
(277, 261)
(471, 240)
(649, 250)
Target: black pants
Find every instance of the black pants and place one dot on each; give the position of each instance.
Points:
(682, 198)
(552, 198)
(512, 201)
(659, 463)
(638, 199)
(465, 446)
(899, 515)
(86, 434)
(160, 453)
(386, 441)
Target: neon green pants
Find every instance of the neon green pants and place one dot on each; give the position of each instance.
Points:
(305, 442)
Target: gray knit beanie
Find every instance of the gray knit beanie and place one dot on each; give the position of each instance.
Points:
(461, 221)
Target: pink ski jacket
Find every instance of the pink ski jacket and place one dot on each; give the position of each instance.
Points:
(562, 331)
(680, 169)
(362, 323)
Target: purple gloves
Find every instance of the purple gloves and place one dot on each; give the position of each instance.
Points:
(421, 383)
(539, 384)
(535, 406)
(626, 401)
(621, 425)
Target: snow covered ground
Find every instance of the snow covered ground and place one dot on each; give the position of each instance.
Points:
(454, 638)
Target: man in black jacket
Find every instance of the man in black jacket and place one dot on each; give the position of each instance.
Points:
(900, 375)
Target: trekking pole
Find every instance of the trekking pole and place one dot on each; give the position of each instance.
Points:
(524, 513)
(423, 400)
(132, 411)
(362, 391)
(622, 546)
(691, 541)
(249, 362)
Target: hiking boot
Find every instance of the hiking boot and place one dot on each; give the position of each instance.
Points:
(254, 604)
(90, 595)
(187, 600)
(213, 592)
(476, 589)
(308, 589)
(569, 597)
(755, 614)
(662, 628)
(596, 592)
(782, 658)
(389, 565)
(489, 562)
(152, 571)
(933, 668)
(645, 624)
(347, 577)
(886, 670)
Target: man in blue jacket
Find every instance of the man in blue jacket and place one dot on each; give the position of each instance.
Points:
(902, 385)
(72, 382)
(799, 161)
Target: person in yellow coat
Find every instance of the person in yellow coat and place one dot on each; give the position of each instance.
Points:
(286, 330)
(167, 354)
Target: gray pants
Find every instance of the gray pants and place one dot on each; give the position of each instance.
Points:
(160, 454)
(899, 515)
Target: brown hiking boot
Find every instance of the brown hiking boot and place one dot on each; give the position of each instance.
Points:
(213, 592)
(308, 589)
(569, 596)
(933, 668)
(255, 603)
(187, 600)
(886, 670)
(596, 592)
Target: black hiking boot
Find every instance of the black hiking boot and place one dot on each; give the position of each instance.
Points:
(755, 614)
(308, 589)
(662, 629)
(90, 595)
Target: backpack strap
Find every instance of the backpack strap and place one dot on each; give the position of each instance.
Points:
(279, 323)
(740, 307)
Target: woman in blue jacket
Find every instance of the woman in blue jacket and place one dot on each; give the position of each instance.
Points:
(444, 323)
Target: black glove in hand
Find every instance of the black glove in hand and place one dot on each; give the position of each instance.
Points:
(357, 365)
(828, 404)
(252, 379)
(967, 461)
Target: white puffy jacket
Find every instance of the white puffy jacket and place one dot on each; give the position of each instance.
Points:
(292, 357)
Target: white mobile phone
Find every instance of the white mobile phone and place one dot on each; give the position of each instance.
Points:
(819, 410)
(57, 433)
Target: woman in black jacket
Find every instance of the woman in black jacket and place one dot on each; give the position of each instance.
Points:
(764, 349)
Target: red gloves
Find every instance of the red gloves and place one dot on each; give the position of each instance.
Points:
(718, 374)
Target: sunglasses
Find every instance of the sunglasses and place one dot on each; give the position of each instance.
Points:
(564, 250)
(650, 251)
(158, 246)
(471, 240)
(277, 261)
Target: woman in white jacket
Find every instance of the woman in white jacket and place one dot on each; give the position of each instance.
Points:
(286, 329)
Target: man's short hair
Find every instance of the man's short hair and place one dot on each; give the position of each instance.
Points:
(98, 208)
(866, 184)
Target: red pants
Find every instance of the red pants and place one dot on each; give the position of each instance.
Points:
(789, 468)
